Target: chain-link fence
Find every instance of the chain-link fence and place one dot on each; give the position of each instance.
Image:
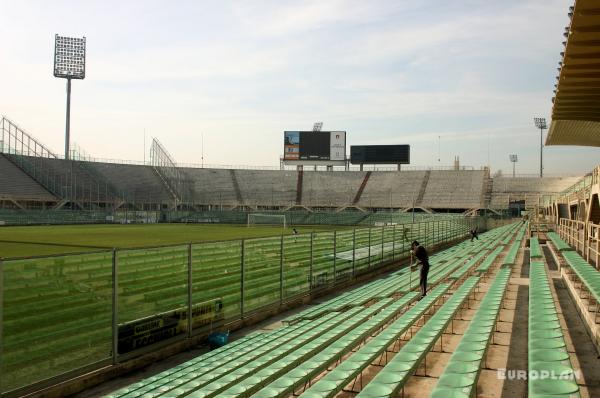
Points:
(67, 314)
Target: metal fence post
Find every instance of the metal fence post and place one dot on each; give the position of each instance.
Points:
(353, 252)
(369, 261)
(393, 243)
(382, 240)
(403, 238)
(334, 255)
(243, 248)
(310, 270)
(281, 271)
(189, 291)
(445, 231)
(115, 308)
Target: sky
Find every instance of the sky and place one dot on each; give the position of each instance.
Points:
(226, 78)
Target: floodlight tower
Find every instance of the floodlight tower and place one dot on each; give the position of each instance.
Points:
(69, 63)
(514, 159)
(540, 123)
(317, 126)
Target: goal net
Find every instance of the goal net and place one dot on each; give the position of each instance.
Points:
(267, 219)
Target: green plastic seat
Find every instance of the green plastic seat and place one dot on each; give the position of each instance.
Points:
(545, 334)
(548, 355)
(377, 390)
(461, 367)
(406, 356)
(338, 375)
(415, 348)
(466, 356)
(475, 337)
(456, 381)
(386, 377)
(325, 386)
(472, 346)
(556, 368)
(547, 344)
(398, 367)
(546, 387)
(444, 392)
(548, 325)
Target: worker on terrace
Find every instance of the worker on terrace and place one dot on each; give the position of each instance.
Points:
(474, 234)
(420, 253)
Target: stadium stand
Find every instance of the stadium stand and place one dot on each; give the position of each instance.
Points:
(528, 189)
(328, 189)
(265, 188)
(212, 187)
(17, 185)
(454, 190)
(391, 189)
(138, 183)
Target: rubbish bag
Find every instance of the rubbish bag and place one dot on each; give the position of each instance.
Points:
(218, 339)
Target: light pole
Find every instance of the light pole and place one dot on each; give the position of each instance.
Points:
(69, 63)
(540, 123)
(514, 159)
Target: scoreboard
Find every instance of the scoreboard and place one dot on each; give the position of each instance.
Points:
(380, 154)
(314, 145)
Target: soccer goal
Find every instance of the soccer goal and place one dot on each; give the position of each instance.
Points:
(267, 219)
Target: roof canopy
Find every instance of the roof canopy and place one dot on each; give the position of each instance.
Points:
(576, 109)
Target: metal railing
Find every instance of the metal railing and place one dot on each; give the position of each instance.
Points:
(592, 253)
(574, 232)
(65, 315)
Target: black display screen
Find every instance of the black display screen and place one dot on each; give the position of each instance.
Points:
(375, 154)
(314, 145)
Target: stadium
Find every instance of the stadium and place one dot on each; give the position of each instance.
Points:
(160, 278)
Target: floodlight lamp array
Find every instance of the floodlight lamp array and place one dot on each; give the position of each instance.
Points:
(540, 123)
(69, 57)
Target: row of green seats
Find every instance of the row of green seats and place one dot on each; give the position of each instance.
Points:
(588, 275)
(201, 372)
(459, 378)
(459, 273)
(560, 244)
(392, 378)
(489, 260)
(308, 370)
(247, 380)
(349, 369)
(511, 256)
(547, 352)
(203, 362)
(231, 372)
(535, 250)
(337, 303)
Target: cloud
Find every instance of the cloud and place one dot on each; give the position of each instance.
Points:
(242, 72)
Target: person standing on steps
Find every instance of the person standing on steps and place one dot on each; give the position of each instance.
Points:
(421, 254)
(474, 234)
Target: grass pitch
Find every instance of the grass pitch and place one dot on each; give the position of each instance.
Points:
(27, 241)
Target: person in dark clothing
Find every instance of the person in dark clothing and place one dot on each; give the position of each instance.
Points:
(421, 254)
(474, 234)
